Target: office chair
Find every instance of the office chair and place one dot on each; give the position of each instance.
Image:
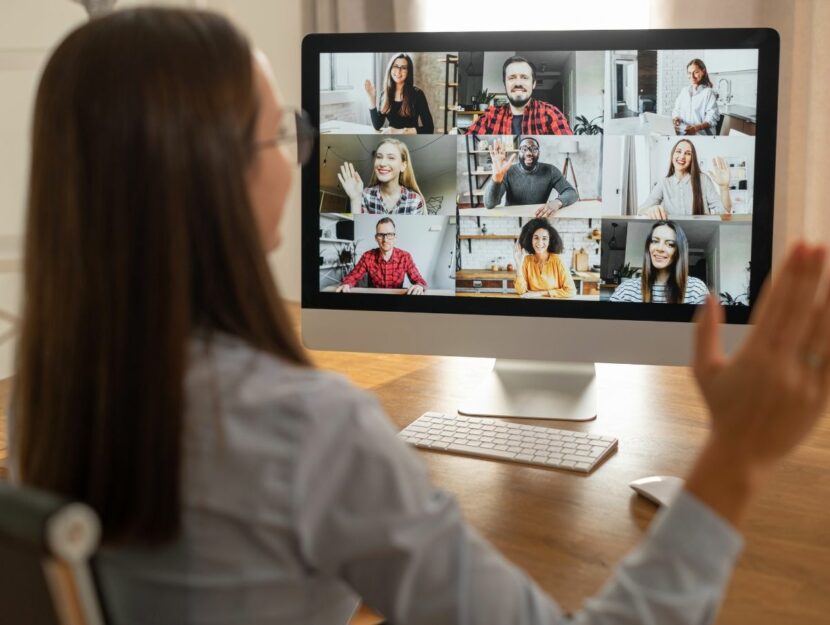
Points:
(45, 547)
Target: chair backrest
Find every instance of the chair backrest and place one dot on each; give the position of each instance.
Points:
(45, 547)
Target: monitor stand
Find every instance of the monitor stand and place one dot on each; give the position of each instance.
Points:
(530, 389)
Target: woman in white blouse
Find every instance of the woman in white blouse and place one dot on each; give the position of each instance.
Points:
(695, 110)
(686, 190)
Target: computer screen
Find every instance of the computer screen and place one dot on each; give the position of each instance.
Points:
(509, 177)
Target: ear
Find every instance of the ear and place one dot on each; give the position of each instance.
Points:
(534, 84)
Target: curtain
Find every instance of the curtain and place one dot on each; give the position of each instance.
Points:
(803, 125)
(360, 16)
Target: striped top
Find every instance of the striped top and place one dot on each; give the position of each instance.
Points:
(632, 291)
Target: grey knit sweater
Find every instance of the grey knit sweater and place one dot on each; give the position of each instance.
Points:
(533, 187)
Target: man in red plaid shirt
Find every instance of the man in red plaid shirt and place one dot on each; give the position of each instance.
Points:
(523, 115)
(386, 265)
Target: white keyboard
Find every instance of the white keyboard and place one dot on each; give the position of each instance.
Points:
(494, 438)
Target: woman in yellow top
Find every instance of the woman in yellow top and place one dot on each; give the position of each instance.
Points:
(540, 271)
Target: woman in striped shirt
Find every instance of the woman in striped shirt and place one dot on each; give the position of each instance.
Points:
(665, 278)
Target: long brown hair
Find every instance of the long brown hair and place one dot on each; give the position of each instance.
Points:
(694, 173)
(139, 232)
(390, 88)
(407, 176)
(679, 270)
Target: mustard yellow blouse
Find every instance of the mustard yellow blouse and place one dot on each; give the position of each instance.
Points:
(552, 277)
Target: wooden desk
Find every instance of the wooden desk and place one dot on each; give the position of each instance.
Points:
(568, 530)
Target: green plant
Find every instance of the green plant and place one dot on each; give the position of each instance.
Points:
(483, 97)
(727, 299)
(627, 271)
(584, 126)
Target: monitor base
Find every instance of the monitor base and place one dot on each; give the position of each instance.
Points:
(529, 389)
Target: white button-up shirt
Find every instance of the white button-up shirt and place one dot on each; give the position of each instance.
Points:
(695, 105)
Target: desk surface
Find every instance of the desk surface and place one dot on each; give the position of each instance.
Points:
(569, 530)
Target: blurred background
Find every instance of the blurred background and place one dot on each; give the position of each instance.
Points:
(30, 29)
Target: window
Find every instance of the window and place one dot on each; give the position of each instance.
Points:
(334, 73)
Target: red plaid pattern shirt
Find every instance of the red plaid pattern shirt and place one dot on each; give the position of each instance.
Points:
(385, 274)
(539, 118)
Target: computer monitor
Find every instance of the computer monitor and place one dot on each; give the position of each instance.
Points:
(547, 197)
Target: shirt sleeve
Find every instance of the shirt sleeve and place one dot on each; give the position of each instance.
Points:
(711, 113)
(696, 291)
(677, 110)
(558, 123)
(422, 112)
(354, 276)
(494, 192)
(714, 203)
(412, 272)
(655, 197)
(567, 194)
(479, 126)
(520, 282)
(567, 288)
(378, 118)
(366, 513)
(627, 291)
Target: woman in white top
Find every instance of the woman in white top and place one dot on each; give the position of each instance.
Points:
(686, 190)
(695, 110)
(160, 379)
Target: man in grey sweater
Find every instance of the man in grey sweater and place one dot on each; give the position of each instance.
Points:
(528, 181)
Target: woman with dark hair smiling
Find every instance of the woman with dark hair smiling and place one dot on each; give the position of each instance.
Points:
(160, 379)
(539, 269)
(402, 104)
(695, 110)
(686, 190)
(665, 278)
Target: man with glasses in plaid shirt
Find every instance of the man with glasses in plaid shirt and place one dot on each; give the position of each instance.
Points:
(522, 115)
(386, 265)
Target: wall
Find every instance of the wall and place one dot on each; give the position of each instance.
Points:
(735, 249)
(430, 75)
(492, 78)
(443, 186)
(29, 29)
(671, 76)
(277, 29)
(590, 84)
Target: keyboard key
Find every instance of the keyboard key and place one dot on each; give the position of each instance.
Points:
(490, 452)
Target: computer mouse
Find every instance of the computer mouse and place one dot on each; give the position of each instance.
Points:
(660, 489)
